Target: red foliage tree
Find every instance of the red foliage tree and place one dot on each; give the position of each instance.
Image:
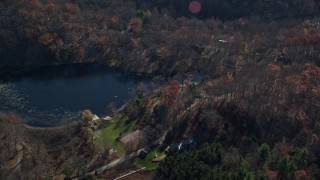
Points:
(309, 79)
(312, 39)
(72, 8)
(170, 92)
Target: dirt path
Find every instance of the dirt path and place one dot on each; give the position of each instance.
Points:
(51, 128)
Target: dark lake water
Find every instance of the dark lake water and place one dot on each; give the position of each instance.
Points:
(51, 94)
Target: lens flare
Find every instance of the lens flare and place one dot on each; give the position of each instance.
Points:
(195, 7)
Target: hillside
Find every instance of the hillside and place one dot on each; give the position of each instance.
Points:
(259, 67)
(34, 153)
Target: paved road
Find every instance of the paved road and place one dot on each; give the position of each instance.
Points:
(129, 173)
(114, 163)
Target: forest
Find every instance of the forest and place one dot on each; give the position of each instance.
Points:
(212, 162)
(233, 9)
(254, 115)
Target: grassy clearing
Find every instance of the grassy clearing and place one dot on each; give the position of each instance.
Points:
(112, 130)
(147, 161)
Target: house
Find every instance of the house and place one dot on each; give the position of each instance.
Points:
(144, 152)
(173, 148)
(187, 144)
(95, 118)
(184, 145)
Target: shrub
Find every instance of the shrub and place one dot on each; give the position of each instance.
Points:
(87, 115)
(144, 16)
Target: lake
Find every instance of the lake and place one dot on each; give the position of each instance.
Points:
(51, 95)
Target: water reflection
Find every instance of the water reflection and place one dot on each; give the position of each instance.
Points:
(72, 88)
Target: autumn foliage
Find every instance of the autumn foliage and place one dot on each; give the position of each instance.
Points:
(72, 8)
(309, 79)
(260, 69)
(170, 92)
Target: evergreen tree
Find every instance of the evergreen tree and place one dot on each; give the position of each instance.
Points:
(264, 152)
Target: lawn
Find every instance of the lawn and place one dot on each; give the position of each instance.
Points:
(112, 130)
(147, 161)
